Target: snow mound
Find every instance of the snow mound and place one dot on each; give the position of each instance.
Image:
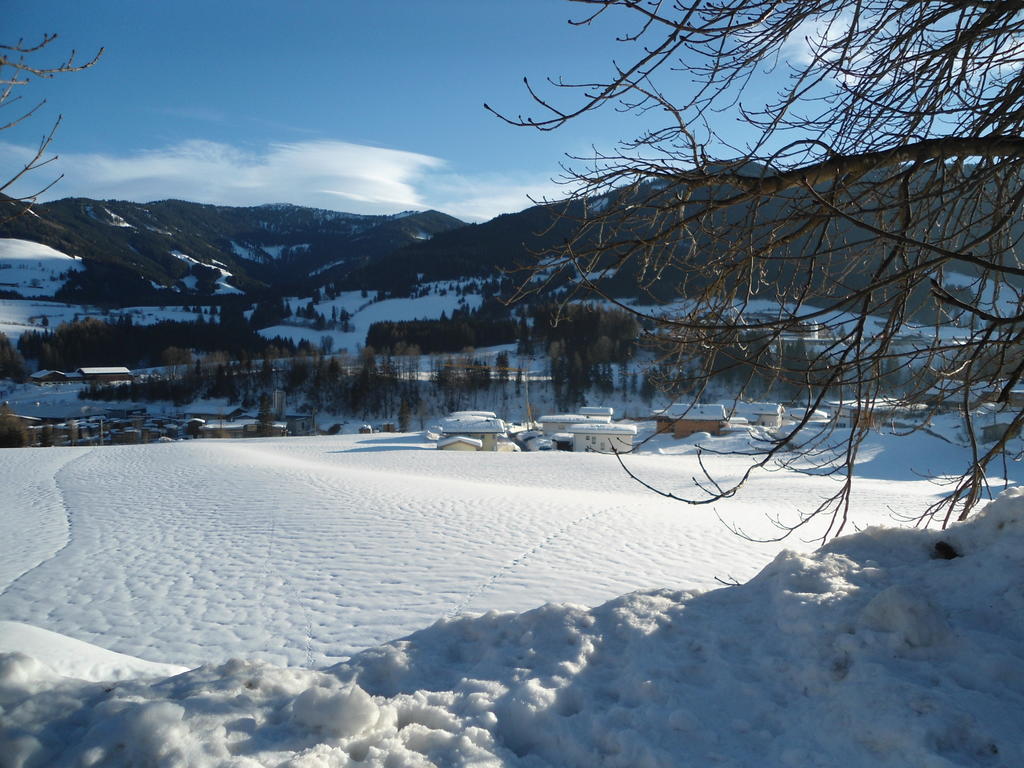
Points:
(69, 657)
(884, 648)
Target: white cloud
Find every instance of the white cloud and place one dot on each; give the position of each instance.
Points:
(327, 174)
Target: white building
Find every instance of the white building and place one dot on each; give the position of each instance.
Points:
(768, 415)
(552, 424)
(602, 437)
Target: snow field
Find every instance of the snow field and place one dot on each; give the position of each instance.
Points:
(304, 551)
(33, 269)
(868, 652)
(365, 312)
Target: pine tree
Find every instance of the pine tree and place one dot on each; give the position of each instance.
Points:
(265, 419)
(404, 416)
(13, 432)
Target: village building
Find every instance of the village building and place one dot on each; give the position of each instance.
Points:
(244, 428)
(459, 443)
(814, 416)
(106, 375)
(603, 437)
(301, 424)
(45, 376)
(683, 420)
(216, 414)
(877, 414)
(769, 415)
(597, 413)
(553, 423)
(486, 429)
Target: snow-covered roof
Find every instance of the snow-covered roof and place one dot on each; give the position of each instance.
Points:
(564, 418)
(816, 415)
(472, 414)
(44, 373)
(597, 410)
(473, 425)
(601, 428)
(104, 370)
(695, 412)
(444, 442)
(759, 409)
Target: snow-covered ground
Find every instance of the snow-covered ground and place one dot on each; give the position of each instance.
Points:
(20, 315)
(304, 552)
(442, 298)
(33, 269)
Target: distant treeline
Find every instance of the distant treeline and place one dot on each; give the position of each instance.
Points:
(444, 335)
(597, 334)
(94, 342)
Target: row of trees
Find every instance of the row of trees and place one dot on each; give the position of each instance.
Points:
(92, 341)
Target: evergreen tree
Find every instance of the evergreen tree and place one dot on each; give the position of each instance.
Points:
(404, 416)
(12, 364)
(13, 432)
(265, 419)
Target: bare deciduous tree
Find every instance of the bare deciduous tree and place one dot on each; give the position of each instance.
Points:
(833, 192)
(18, 66)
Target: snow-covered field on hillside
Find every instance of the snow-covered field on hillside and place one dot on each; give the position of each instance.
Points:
(290, 555)
(20, 315)
(33, 269)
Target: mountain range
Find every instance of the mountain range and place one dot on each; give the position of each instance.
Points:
(178, 252)
(134, 252)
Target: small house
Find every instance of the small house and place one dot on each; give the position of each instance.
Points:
(555, 423)
(459, 443)
(486, 429)
(299, 423)
(761, 414)
(603, 437)
(44, 377)
(684, 420)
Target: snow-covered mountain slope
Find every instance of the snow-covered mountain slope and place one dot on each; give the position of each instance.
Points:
(32, 269)
(128, 248)
(873, 651)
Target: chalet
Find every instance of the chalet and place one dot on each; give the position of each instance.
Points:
(106, 375)
(683, 420)
(486, 429)
(603, 437)
(44, 377)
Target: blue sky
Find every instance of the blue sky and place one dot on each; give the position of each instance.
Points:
(369, 107)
